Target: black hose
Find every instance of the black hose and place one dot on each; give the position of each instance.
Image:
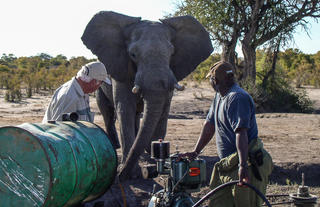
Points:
(208, 195)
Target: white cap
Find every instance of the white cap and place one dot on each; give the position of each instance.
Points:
(93, 70)
(96, 70)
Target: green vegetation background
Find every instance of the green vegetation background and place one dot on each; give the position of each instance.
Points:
(24, 76)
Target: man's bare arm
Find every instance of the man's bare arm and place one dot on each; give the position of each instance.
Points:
(206, 135)
(242, 149)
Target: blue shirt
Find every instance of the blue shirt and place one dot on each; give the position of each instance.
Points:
(228, 113)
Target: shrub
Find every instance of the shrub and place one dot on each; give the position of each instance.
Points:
(278, 96)
(13, 95)
(200, 73)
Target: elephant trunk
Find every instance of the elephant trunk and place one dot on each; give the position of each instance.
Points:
(154, 108)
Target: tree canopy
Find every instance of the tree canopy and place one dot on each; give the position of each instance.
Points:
(253, 23)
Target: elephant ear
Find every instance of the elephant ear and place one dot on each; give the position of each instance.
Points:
(105, 38)
(192, 45)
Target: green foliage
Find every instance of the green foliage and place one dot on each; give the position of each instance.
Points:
(278, 95)
(59, 60)
(13, 95)
(4, 76)
(293, 68)
(35, 73)
(301, 69)
(13, 92)
(291, 183)
(315, 79)
(200, 73)
(253, 23)
(7, 59)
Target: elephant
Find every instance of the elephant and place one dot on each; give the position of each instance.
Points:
(146, 60)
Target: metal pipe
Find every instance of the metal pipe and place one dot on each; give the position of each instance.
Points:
(208, 195)
(280, 203)
(277, 195)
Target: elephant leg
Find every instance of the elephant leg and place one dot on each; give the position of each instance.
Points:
(108, 113)
(125, 104)
(126, 118)
(137, 123)
(138, 114)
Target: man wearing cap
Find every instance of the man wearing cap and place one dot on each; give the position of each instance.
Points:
(242, 157)
(73, 96)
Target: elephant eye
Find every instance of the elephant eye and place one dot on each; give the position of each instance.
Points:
(132, 55)
(133, 52)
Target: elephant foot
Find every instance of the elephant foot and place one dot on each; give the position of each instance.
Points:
(135, 173)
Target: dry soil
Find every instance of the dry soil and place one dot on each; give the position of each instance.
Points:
(293, 140)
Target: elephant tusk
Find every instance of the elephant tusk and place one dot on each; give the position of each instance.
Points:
(178, 87)
(135, 89)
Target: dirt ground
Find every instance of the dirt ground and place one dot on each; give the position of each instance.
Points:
(293, 140)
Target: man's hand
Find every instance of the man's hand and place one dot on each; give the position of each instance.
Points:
(190, 155)
(243, 175)
(206, 134)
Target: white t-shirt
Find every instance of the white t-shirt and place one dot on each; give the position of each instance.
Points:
(66, 99)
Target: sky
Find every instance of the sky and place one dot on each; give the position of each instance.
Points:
(31, 27)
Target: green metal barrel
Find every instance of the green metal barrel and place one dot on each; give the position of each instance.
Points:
(54, 164)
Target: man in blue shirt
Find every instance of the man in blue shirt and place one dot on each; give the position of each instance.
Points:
(232, 119)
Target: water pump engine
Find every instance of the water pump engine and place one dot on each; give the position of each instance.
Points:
(181, 177)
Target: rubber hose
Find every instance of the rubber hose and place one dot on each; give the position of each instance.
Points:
(208, 195)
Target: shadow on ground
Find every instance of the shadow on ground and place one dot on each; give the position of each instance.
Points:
(137, 192)
(130, 193)
(291, 173)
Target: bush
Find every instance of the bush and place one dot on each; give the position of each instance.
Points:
(258, 94)
(202, 70)
(13, 95)
(278, 96)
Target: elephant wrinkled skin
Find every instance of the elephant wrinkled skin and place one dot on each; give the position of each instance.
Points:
(145, 60)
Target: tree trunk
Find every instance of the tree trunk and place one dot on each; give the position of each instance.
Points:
(228, 53)
(272, 71)
(249, 43)
(249, 70)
